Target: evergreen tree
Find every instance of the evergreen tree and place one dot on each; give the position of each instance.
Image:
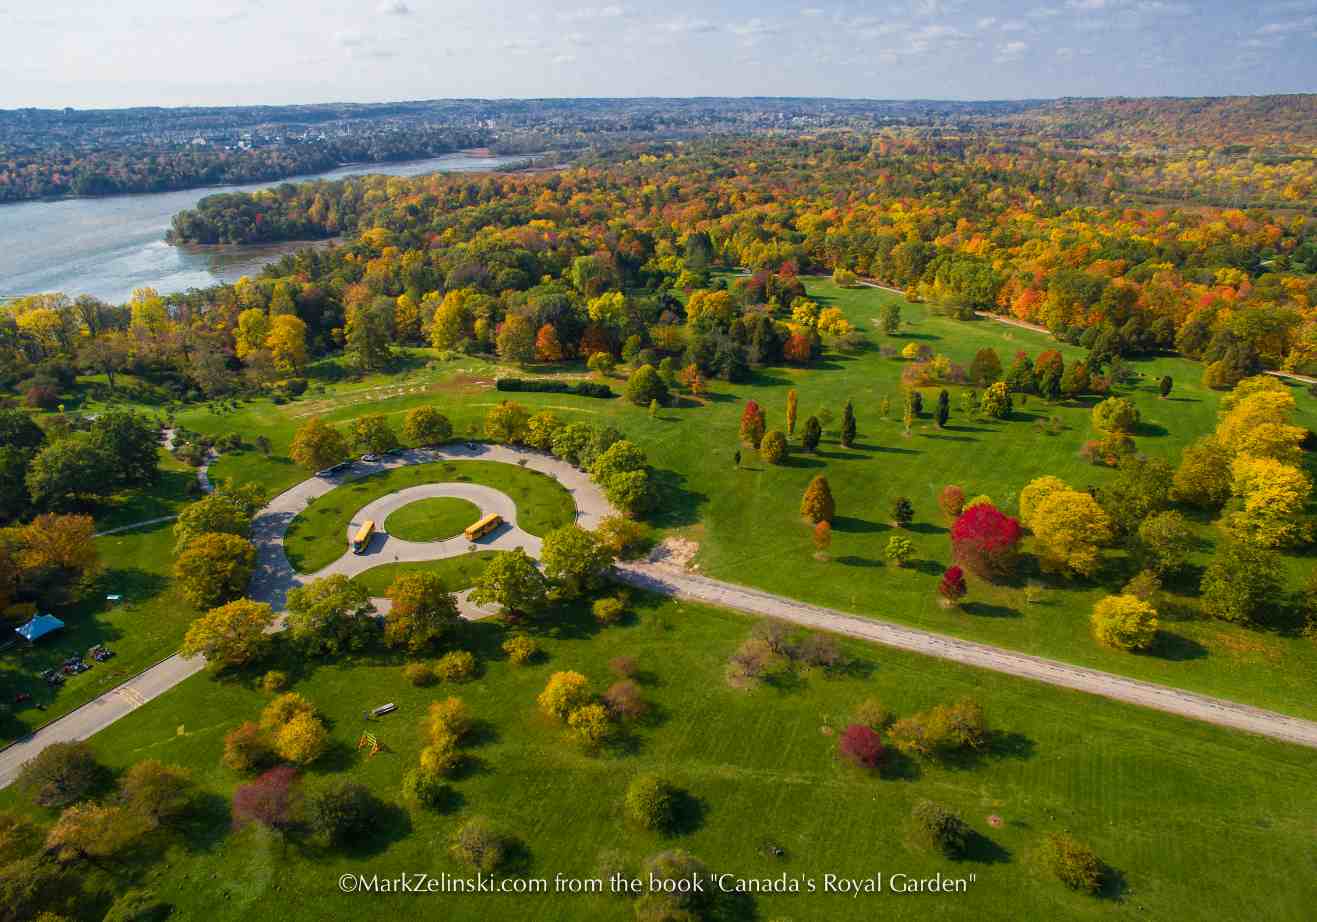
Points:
(848, 425)
(943, 409)
(813, 432)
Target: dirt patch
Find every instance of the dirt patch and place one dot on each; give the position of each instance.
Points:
(675, 552)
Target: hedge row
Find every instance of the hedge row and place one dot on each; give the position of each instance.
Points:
(580, 388)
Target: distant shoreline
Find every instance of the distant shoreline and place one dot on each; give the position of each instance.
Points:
(482, 152)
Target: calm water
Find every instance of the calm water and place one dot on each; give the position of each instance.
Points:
(108, 246)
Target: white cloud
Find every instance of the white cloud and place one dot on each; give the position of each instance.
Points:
(1065, 54)
(1010, 51)
(565, 59)
(687, 24)
(521, 45)
(1043, 12)
(1088, 4)
(754, 28)
(811, 11)
(1014, 25)
(987, 22)
(1291, 27)
(612, 11)
(395, 8)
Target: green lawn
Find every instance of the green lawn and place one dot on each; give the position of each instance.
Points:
(176, 487)
(1154, 795)
(145, 628)
(457, 573)
(316, 537)
(432, 519)
(745, 522)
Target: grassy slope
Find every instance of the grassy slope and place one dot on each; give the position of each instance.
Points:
(1153, 794)
(432, 519)
(144, 629)
(316, 539)
(746, 519)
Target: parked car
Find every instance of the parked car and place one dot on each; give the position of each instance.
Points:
(370, 457)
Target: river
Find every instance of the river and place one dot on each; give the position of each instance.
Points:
(108, 246)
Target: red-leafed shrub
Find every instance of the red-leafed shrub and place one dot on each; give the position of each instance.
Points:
(986, 541)
(268, 799)
(861, 746)
(752, 423)
(952, 586)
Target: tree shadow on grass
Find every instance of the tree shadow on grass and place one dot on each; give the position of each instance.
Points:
(982, 850)
(850, 525)
(206, 824)
(676, 504)
(948, 438)
(926, 528)
(897, 766)
(1114, 885)
(481, 733)
(988, 610)
(850, 560)
(799, 460)
(786, 681)
(688, 813)
(389, 824)
(1175, 648)
(927, 567)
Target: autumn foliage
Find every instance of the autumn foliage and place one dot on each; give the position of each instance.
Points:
(986, 541)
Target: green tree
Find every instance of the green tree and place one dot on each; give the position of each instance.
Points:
(61, 774)
(230, 635)
(327, 616)
(889, 317)
(131, 443)
(18, 431)
(1203, 477)
(812, 434)
(1242, 582)
(773, 448)
(575, 559)
(339, 811)
(631, 491)
(423, 611)
(938, 828)
(215, 513)
(645, 385)
(372, 433)
(1072, 862)
(1142, 488)
(651, 802)
(996, 402)
(848, 425)
(1115, 414)
(425, 426)
(515, 340)
(318, 445)
(513, 583)
(156, 791)
(899, 549)
(369, 334)
(985, 368)
(506, 422)
(1165, 541)
(64, 471)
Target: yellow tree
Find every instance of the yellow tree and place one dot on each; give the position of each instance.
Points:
(1271, 496)
(1069, 528)
(230, 635)
(1037, 490)
(251, 332)
(564, 693)
(318, 444)
(214, 568)
(287, 343)
(1125, 622)
(91, 831)
(302, 740)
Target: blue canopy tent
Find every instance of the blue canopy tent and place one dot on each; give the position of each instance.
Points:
(39, 627)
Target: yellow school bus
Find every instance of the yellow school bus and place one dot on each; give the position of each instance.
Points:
(362, 539)
(483, 527)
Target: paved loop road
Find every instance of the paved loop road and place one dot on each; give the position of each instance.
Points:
(274, 576)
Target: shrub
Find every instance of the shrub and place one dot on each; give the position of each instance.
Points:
(860, 745)
(674, 865)
(419, 674)
(871, 713)
(624, 700)
(61, 774)
(549, 385)
(564, 693)
(1115, 414)
(996, 401)
(773, 447)
(274, 680)
(951, 500)
(441, 757)
(479, 845)
(952, 585)
(1124, 622)
(941, 730)
(809, 439)
(449, 717)
(302, 740)
(820, 650)
(591, 724)
(521, 649)
(625, 538)
(609, 610)
(899, 549)
(938, 828)
(340, 810)
(425, 788)
(246, 748)
(646, 385)
(269, 799)
(1074, 863)
(283, 709)
(650, 802)
(986, 541)
(903, 511)
(456, 666)
(623, 666)
(752, 424)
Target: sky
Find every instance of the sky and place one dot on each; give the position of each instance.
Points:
(110, 53)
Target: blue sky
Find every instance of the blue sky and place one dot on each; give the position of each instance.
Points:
(96, 53)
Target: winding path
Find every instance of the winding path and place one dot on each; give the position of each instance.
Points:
(274, 577)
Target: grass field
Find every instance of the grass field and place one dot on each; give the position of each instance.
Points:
(456, 573)
(746, 524)
(316, 539)
(432, 519)
(1154, 795)
(145, 628)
